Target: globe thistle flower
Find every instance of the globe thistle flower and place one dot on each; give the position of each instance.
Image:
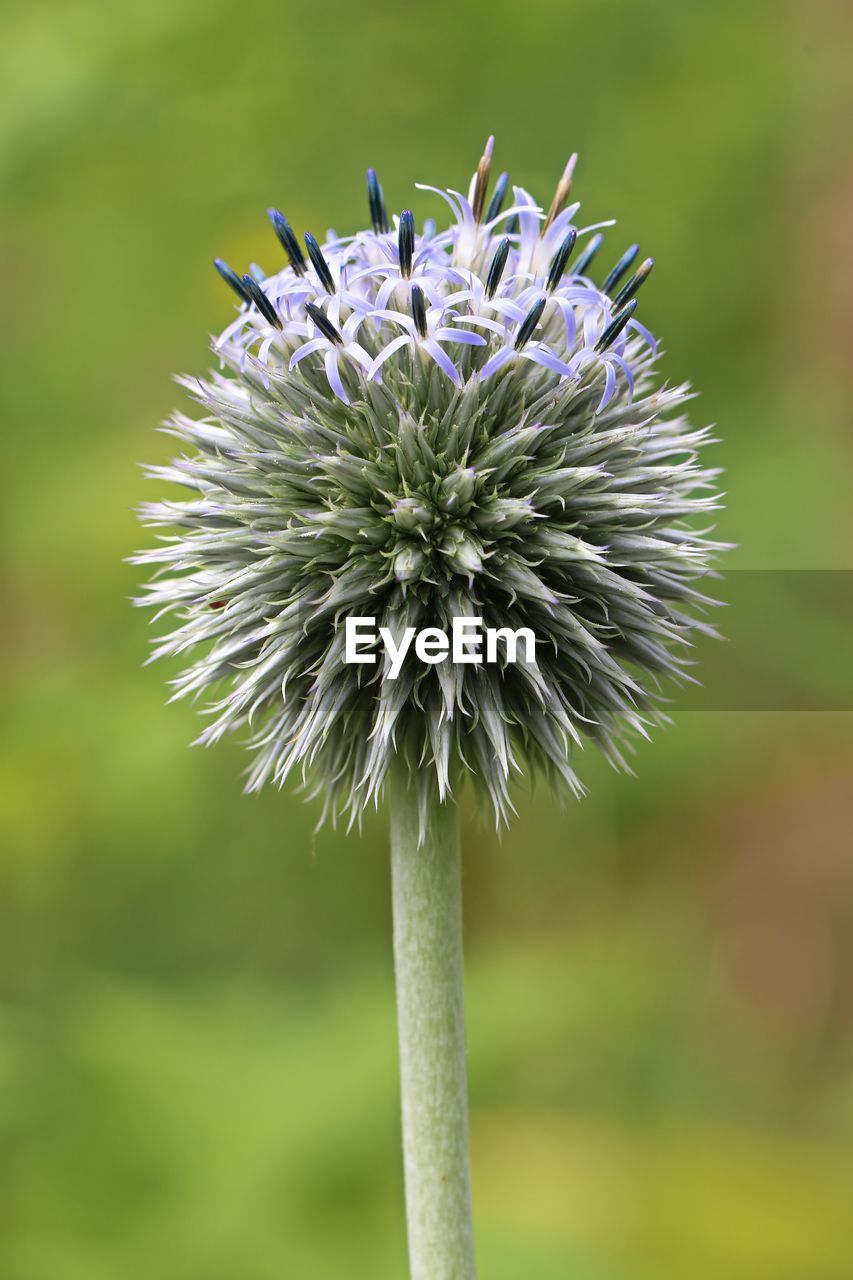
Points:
(422, 428)
(418, 426)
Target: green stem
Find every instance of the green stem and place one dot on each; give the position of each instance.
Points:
(427, 905)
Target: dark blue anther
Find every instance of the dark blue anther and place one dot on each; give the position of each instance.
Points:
(561, 259)
(231, 278)
(633, 284)
(324, 324)
(419, 310)
(617, 324)
(529, 323)
(588, 254)
(287, 240)
(261, 301)
(621, 267)
(376, 201)
(321, 266)
(496, 270)
(498, 196)
(406, 241)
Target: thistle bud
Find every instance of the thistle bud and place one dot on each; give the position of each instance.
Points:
(457, 489)
(463, 552)
(409, 561)
(412, 515)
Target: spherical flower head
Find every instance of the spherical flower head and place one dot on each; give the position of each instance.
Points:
(417, 427)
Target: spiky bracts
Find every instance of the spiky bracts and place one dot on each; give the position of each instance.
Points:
(417, 427)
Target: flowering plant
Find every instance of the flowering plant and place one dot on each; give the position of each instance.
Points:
(421, 426)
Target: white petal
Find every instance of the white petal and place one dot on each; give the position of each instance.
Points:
(306, 350)
(333, 373)
(460, 335)
(442, 359)
(495, 362)
(403, 341)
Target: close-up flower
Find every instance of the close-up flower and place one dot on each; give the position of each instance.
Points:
(504, 929)
(428, 433)
(417, 425)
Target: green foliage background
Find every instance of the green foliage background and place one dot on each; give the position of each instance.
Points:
(197, 1070)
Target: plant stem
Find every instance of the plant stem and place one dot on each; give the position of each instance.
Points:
(427, 907)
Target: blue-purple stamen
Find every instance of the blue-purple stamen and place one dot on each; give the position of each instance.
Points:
(419, 314)
(512, 225)
(617, 324)
(324, 324)
(231, 279)
(496, 270)
(561, 260)
(406, 241)
(633, 284)
(261, 301)
(376, 201)
(529, 323)
(498, 197)
(287, 240)
(588, 254)
(621, 267)
(319, 263)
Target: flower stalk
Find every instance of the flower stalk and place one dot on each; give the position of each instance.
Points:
(427, 911)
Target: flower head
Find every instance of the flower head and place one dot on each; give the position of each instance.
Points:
(421, 427)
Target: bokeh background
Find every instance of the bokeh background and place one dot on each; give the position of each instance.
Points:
(197, 1042)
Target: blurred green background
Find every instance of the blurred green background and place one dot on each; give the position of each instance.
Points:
(197, 1057)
